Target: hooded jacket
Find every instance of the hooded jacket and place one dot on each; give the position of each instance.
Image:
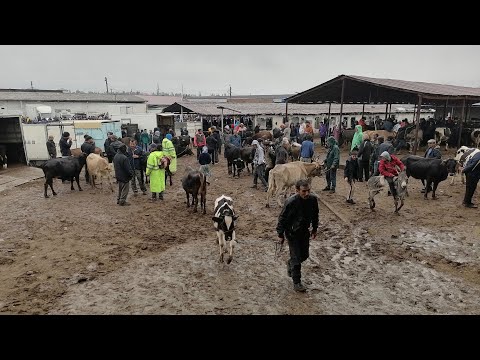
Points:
(357, 137)
(333, 154)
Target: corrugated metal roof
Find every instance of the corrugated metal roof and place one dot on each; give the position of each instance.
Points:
(422, 87)
(279, 109)
(48, 96)
(362, 89)
(160, 99)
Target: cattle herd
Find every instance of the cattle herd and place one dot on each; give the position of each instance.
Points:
(281, 177)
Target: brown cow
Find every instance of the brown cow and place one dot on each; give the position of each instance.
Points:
(99, 167)
(264, 134)
(283, 176)
(383, 133)
(194, 183)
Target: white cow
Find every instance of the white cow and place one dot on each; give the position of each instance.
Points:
(224, 222)
(442, 134)
(463, 155)
(284, 176)
(98, 167)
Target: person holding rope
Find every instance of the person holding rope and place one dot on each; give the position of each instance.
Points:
(298, 213)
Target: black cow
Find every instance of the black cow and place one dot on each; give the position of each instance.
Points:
(3, 156)
(432, 170)
(64, 168)
(181, 149)
(194, 182)
(238, 158)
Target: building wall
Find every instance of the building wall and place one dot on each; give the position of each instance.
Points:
(91, 109)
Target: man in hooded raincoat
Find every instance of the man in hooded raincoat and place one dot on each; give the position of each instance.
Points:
(157, 174)
(169, 150)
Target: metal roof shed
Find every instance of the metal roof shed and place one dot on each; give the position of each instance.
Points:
(361, 89)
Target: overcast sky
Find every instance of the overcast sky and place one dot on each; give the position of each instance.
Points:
(248, 69)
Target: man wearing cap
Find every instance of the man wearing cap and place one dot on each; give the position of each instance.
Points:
(432, 152)
(51, 148)
(88, 147)
(106, 146)
(259, 162)
(65, 143)
(388, 167)
(123, 174)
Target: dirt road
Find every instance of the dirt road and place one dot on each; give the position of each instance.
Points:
(79, 253)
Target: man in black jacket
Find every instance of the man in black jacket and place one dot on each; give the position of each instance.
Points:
(364, 153)
(65, 143)
(123, 173)
(51, 148)
(299, 211)
(106, 145)
(88, 147)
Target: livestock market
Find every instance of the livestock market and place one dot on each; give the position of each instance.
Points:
(328, 202)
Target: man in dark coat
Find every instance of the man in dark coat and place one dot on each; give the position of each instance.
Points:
(88, 147)
(106, 145)
(364, 153)
(299, 211)
(472, 175)
(65, 143)
(123, 173)
(51, 147)
(351, 173)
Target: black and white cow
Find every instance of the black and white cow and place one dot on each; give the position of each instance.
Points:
(3, 161)
(224, 222)
(463, 155)
(3, 157)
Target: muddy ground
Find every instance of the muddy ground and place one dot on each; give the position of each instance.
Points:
(79, 253)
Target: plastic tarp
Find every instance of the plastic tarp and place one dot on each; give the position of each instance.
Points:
(88, 124)
(43, 109)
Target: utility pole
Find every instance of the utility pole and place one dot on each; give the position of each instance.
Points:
(106, 82)
(182, 92)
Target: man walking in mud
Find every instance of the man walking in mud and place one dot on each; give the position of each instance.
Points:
(299, 211)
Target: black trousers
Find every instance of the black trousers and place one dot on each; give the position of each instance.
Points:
(392, 185)
(299, 245)
(213, 154)
(363, 169)
(471, 185)
(123, 188)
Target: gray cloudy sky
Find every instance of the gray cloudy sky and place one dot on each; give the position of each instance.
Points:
(249, 69)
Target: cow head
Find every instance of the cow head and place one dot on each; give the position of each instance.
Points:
(451, 165)
(317, 171)
(164, 162)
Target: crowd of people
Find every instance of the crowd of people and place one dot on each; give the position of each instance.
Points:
(152, 154)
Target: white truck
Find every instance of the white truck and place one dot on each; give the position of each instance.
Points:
(35, 136)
